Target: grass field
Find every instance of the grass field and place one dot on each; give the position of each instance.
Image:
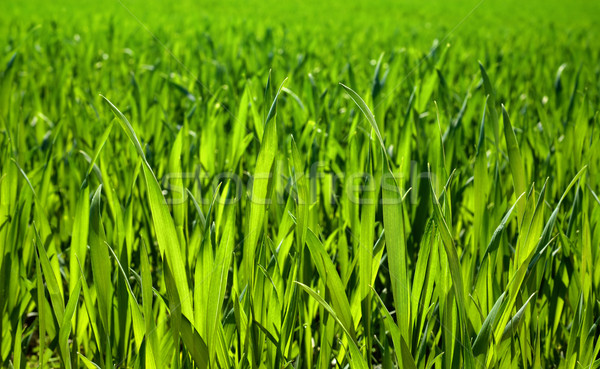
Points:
(316, 184)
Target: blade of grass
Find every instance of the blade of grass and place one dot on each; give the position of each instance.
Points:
(163, 222)
(516, 163)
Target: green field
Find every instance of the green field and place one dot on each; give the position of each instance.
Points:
(308, 184)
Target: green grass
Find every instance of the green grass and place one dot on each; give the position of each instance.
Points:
(300, 185)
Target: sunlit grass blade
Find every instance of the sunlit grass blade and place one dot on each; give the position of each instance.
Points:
(393, 222)
(481, 343)
(152, 351)
(516, 163)
(357, 360)
(100, 263)
(334, 284)
(495, 240)
(511, 327)
(163, 222)
(260, 183)
(65, 328)
(491, 92)
(455, 273)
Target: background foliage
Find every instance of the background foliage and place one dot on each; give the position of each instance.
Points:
(187, 184)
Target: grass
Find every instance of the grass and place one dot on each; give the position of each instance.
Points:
(308, 185)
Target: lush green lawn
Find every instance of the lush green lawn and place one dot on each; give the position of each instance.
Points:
(308, 184)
